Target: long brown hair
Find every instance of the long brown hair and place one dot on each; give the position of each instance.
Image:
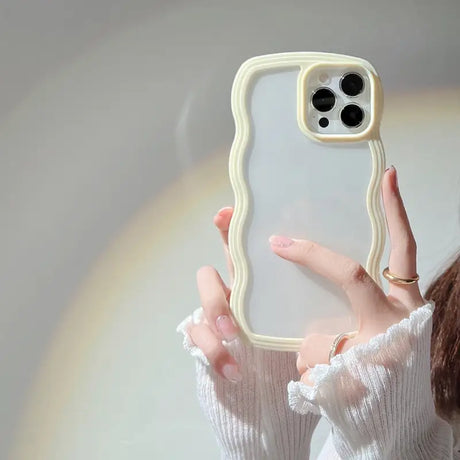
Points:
(445, 340)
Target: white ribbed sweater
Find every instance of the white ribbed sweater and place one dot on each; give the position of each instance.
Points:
(376, 396)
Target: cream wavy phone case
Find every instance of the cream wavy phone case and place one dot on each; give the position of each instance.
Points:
(306, 162)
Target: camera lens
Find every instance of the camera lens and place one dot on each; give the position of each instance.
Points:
(352, 115)
(323, 100)
(352, 84)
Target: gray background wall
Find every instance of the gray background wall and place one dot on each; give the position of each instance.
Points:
(114, 133)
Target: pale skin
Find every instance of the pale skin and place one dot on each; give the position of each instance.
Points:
(376, 310)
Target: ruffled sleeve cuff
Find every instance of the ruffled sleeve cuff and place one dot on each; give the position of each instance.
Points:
(377, 395)
(252, 419)
(187, 342)
(382, 350)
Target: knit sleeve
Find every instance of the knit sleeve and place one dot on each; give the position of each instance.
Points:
(252, 418)
(377, 396)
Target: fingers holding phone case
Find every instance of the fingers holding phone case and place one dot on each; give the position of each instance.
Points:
(218, 323)
(376, 311)
(403, 256)
(366, 298)
(222, 222)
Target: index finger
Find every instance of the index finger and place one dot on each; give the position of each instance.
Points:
(222, 222)
(367, 299)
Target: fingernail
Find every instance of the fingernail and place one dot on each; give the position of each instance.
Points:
(396, 177)
(232, 373)
(223, 211)
(226, 327)
(280, 241)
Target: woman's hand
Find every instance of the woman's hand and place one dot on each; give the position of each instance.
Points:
(218, 322)
(375, 310)
(252, 419)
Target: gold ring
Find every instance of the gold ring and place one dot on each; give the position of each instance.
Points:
(397, 279)
(338, 339)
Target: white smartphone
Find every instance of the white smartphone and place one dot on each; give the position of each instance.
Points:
(306, 162)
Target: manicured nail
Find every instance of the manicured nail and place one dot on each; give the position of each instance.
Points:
(396, 175)
(231, 373)
(226, 327)
(224, 211)
(280, 241)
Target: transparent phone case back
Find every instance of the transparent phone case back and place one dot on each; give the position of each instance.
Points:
(290, 184)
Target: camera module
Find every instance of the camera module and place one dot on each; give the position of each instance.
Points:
(352, 115)
(352, 84)
(323, 100)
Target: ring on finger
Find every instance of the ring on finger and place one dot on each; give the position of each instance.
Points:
(338, 339)
(397, 279)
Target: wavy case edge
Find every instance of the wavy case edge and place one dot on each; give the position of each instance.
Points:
(239, 146)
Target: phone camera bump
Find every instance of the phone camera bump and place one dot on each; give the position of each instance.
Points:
(323, 99)
(352, 115)
(352, 84)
